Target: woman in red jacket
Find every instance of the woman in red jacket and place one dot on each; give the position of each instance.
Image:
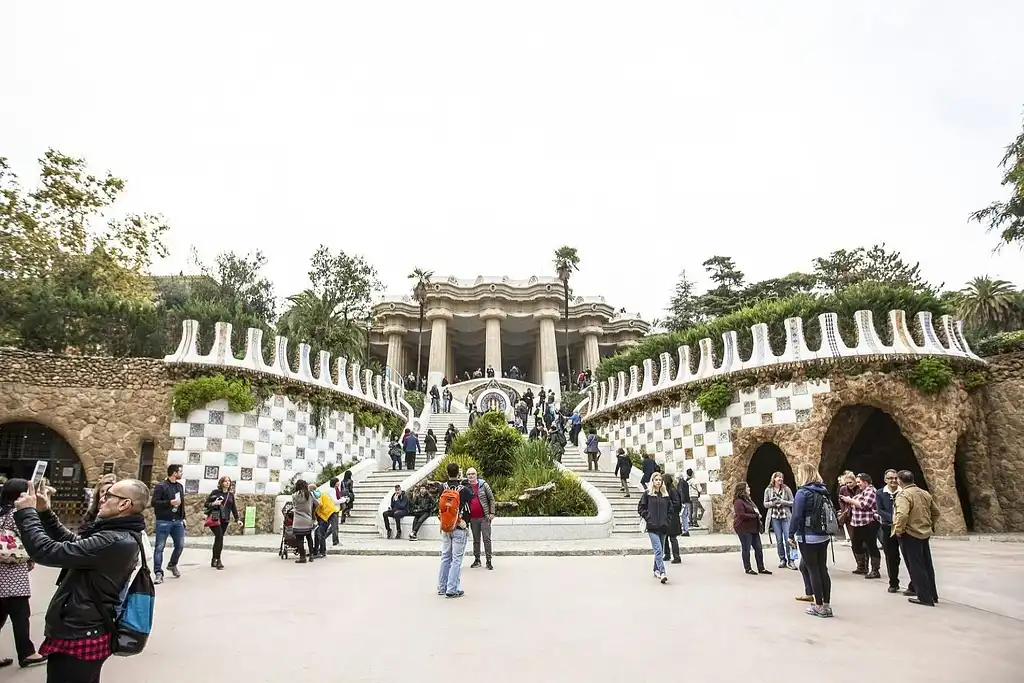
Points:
(746, 522)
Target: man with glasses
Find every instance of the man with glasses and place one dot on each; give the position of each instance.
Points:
(96, 565)
(481, 512)
(886, 502)
(169, 510)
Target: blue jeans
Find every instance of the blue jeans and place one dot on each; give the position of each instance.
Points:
(659, 552)
(780, 527)
(176, 530)
(686, 517)
(453, 547)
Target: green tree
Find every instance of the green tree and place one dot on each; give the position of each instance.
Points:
(682, 309)
(989, 306)
(843, 268)
(727, 294)
(316, 320)
(419, 292)
(1007, 218)
(779, 288)
(567, 260)
(349, 281)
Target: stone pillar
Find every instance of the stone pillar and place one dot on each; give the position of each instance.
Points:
(591, 352)
(535, 373)
(395, 335)
(548, 350)
(492, 318)
(449, 364)
(438, 318)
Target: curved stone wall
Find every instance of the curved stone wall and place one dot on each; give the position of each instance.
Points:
(621, 390)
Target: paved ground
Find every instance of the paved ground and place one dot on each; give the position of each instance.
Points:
(564, 619)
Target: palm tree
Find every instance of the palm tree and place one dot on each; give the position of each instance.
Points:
(567, 259)
(419, 292)
(314, 318)
(989, 305)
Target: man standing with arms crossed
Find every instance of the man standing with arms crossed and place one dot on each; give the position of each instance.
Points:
(481, 512)
(168, 508)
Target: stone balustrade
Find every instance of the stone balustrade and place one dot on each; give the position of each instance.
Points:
(614, 391)
(364, 384)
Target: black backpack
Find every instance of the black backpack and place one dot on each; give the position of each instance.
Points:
(822, 519)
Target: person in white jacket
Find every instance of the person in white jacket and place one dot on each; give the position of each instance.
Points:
(331, 491)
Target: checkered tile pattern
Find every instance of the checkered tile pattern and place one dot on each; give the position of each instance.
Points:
(681, 435)
(263, 449)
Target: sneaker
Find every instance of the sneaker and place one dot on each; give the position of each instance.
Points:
(764, 571)
(664, 577)
(657, 575)
(490, 566)
(456, 594)
(894, 589)
(412, 537)
(782, 565)
(816, 611)
(476, 564)
(158, 578)
(441, 592)
(792, 566)
(174, 572)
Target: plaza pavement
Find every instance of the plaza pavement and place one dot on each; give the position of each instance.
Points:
(566, 619)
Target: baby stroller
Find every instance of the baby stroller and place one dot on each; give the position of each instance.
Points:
(288, 533)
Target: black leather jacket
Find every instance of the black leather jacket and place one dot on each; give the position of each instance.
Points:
(96, 567)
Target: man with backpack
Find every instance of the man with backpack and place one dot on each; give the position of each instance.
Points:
(453, 513)
(85, 616)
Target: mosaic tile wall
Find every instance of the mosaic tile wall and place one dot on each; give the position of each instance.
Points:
(682, 437)
(263, 449)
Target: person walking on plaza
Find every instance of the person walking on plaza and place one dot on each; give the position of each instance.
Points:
(886, 505)
(808, 531)
(670, 541)
(453, 514)
(481, 512)
(169, 511)
(655, 508)
(623, 468)
(398, 508)
(302, 521)
(219, 508)
(15, 587)
(864, 522)
(96, 566)
(649, 468)
(746, 522)
(778, 501)
(913, 523)
(592, 449)
(684, 498)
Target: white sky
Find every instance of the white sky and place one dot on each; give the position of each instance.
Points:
(472, 138)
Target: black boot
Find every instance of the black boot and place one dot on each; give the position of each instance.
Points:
(476, 563)
(862, 563)
(876, 563)
(389, 534)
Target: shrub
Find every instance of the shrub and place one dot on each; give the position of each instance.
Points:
(330, 471)
(571, 399)
(568, 499)
(491, 442)
(530, 453)
(931, 375)
(193, 394)
(1004, 342)
(636, 457)
(416, 400)
(463, 461)
(975, 380)
(715, 399)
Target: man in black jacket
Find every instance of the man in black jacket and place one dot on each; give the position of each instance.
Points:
(169, 510)
(96, 566)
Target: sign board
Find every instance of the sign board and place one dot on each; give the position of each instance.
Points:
(250, 517)
(108, 467)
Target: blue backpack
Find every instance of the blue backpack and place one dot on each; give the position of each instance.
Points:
(130, 631)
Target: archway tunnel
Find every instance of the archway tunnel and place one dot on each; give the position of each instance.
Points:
(766, 460)
(22, 444)
(880, 445)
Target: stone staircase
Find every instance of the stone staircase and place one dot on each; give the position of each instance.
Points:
(439, 423)
(625, 520)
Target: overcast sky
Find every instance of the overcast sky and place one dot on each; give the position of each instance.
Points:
(474, 138)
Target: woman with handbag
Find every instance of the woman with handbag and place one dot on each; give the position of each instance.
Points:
(303, 504)
(220, 507)
(15, 588)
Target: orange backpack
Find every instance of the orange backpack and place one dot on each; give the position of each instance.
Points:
(448, 509)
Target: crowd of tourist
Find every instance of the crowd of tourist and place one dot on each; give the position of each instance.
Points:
(579, 381)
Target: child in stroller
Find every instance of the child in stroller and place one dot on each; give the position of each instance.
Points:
(288, 541)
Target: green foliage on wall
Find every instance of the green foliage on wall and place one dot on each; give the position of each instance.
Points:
(1005, 342)
(416, 400)
(193, 394)
(463, 461)
(571, 399)
(875, 297)
(931, 375)
(715, 399)
(975, 380)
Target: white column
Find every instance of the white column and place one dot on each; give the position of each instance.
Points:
(395, 335)
(438, 318)
(548, 350)
(449, 364)
(536, 375)
(492, 318)
(591, 352)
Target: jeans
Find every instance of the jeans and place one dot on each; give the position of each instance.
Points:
(574, 434)
(659, 553)
(435, 405)
(891, 548)
(815, 556)
(397, 516)
(334, 528)
(176, 530)
(687, 508)
(481, 526)
(218, 539)
(322, 527)
(67, 669)
(780, 527)
(19, 612)
(410, 460)
(865, 542)
(453, 547)
(396, 462)
(918, 554)
(748, 540)
(670, 547)
(592, 459)
(447, 405)
(304, 537)
(419, 519)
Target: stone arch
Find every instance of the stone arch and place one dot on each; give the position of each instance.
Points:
(58, 427)
(900, 428)
(24, 442)
(767, 459)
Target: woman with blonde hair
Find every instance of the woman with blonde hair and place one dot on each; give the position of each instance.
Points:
(808, 531)
(655, 507)
(102, 485)
(778, 501)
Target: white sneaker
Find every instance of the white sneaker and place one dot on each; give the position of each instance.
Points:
(664, 577)
(657, 575)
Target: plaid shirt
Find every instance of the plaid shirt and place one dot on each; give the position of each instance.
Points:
(864, 510)
(86, 649)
